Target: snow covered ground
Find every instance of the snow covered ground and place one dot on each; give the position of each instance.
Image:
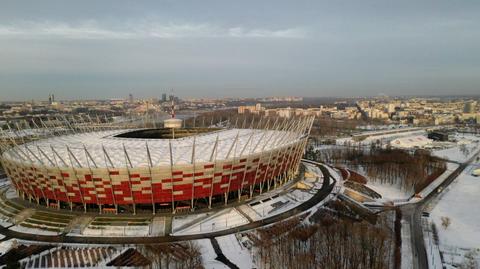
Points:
(231, 248)
(270, 207)
(460, 204)
(433, 251)
(407, 259)
(225, 219)
(117, 231)
(384, 138)
(6, 245)
(389, 192)
(467, 141)
(209, 255)
(235, 252)
(22, 229)
(457, 204)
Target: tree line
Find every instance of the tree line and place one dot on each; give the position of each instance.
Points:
(411, 170)
(331, 242)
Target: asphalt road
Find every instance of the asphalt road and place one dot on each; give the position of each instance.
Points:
(413, 214)
(326, 189)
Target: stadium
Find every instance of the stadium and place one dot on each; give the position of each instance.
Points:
(120, 168)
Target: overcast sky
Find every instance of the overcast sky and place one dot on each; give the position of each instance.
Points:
(105, 49)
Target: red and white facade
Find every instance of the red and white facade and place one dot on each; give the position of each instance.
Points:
(99, 168)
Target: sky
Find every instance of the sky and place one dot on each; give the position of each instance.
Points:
(93, 49)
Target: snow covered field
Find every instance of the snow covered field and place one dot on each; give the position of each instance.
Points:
(384, 138)
(389, 192)
(209, 255)
(235, 252)
(469, 143)
(460, 204)
(231, 248)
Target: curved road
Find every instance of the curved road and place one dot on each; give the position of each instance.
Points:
(413, 213)
(321, 194)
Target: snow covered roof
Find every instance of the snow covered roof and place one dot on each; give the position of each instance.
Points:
(104, 149)
(410, 142)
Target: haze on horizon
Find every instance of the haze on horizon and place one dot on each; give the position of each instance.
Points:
(106, 49)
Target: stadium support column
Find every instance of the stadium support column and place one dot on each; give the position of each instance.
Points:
(292, 148)
(270, 151)
(107, 157)
(87, 155)
(246, 164)
(306, 133)
(234, 144)
(213, 157)
(55, 164)
(150, 164)
(171, 173)
(299, 148)
(252, 186)
(276, 141)
(303, 143)
(35, 174)
(193, 175)
(283, 143)
(128, 165)
(70, 157)
(22, 156)
(46, 175)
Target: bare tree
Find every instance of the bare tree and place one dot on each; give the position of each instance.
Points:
(446, 221)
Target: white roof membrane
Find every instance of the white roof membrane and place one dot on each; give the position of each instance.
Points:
(54, 151)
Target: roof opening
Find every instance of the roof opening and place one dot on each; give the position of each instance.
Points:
(165, 133)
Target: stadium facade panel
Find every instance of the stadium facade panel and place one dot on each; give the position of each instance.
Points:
(101, 169)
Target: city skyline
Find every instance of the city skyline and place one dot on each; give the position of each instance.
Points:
(92, 50)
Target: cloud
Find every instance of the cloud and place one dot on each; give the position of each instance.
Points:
(138, 30)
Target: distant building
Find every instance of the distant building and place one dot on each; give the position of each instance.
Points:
(390, 108)
(164, 97)
(130, 98)
(51, 99)
(469, 107)
(250, 109)
(439, 136)
(410, 142)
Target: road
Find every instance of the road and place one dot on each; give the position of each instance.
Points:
(413, 214)
(327, 187)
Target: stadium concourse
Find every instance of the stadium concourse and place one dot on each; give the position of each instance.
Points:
(115, 169)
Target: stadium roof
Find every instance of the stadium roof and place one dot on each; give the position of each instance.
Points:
(411, 142)
(103, 149)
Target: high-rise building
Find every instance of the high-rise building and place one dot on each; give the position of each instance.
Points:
(469, 107)
(164, 97)
(51, 99)
(130, 98)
